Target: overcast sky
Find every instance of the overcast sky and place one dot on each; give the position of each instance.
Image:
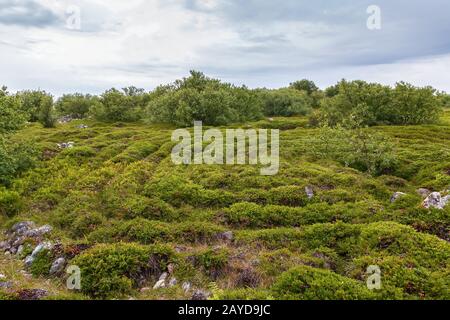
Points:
(255, 42)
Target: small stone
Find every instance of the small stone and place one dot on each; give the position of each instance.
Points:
(20, 250)
(32, 294)
(172, 282)
(4, 245)
(186, 286)
(397, 196)
(145, 289)
(57, 266)
(200, 295)
(309, 192)
(227, 236)
(2, 276)
(6, 285)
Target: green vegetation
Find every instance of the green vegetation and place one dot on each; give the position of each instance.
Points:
(124, 213)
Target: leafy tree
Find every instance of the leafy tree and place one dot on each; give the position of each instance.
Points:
(32, 101)
(46, 115)
(199, 98)
(305, 85)
(75, 105)
(115, 105)
(370, 104)
(11, 115)
(286, 102)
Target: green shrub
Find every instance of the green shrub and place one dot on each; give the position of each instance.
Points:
(286, 102)
(306, 283)
(149, 208)
(75, 105)
(199, 98)
(212, 261)
(112, 270)
(372, 104)
(10, 203)
(41, 263)
(114, 106)
(358, 148)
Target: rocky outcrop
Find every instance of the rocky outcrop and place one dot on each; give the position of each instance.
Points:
(24, 232)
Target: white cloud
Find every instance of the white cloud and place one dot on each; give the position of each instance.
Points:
(145, 43)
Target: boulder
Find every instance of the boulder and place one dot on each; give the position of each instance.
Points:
(435, 200)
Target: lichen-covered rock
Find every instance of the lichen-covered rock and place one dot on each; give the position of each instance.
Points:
(435, 200)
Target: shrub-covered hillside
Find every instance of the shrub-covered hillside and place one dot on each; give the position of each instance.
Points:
(104, 195)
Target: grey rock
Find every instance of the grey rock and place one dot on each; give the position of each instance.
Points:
(21, 227)
(66, 145)
(4, 245)
(200, 295)
(32, 294)
(435, 200)
(2, 276)
(39, 232)
(6, 285)
(309, 192)
(172, 282)
(397, 196)
(20, 250)
(57, 266)
(82, 126)
(227, 236)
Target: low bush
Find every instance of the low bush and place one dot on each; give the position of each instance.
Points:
(306, 283)
(112, 270)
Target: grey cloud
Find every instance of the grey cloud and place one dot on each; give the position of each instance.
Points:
(26, 13)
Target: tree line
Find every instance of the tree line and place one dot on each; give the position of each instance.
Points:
(214, 102)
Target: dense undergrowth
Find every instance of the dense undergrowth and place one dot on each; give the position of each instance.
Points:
(117, 192)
